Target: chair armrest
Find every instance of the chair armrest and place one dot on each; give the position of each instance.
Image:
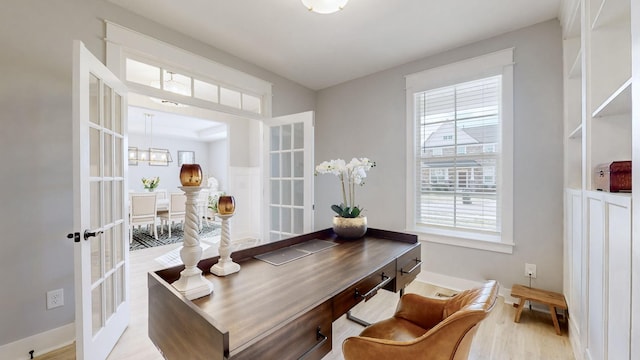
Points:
(423, 311)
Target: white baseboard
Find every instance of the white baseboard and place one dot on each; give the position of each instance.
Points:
(41, 343)
(574, 340)
(459, 284)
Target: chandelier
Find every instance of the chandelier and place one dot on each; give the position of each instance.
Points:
(324, 6)
(173, 86)
(151, 155)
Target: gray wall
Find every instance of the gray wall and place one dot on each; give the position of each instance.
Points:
(35, 145)
(367, 117)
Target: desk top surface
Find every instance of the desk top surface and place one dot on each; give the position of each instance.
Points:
(247, 304)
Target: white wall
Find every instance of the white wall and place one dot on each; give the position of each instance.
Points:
(169, 175)
(366, 117)
(36, 184)
(218, 162)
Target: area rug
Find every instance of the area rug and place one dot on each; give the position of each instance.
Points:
(142, 239)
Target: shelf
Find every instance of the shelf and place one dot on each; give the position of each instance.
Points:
(576, 68)
(618, 103)
(610, 11)
(576, 133)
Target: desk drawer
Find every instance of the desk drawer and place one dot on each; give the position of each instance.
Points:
(409, 266)
(309, 335)
(347, 299)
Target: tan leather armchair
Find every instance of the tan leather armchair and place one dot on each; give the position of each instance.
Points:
(425, 328)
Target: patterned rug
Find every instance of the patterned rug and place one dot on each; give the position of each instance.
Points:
(142, 239)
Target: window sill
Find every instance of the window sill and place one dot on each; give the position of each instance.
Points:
(436, 236)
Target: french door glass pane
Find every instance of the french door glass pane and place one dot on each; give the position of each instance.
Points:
(275, 165)
(298, 136)
(108, 154)
(107, 204)
(275, 191)
(94, 194)
(117, 114)
(118, 152)
(108, 249)
(298, 192)
(275, 138)
(96, 309)
(298, 221)
(120, 291)
(117, 240)
(286, 137)
(286, 220)
(118, 189)
(275, 218)
(109, 296)
(286, 165)
(94, 100)
(96, 256)
(286, 192)
(107, 108)
(94, 156)
(298, 164)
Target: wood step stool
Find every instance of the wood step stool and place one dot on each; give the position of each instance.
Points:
(552, 299)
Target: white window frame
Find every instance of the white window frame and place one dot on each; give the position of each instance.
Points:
(492, 64)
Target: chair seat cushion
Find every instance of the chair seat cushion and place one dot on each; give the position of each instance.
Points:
(396, 329)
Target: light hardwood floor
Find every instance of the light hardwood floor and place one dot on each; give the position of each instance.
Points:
(498, 337)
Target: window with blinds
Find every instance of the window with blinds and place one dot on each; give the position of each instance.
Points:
(458, 142)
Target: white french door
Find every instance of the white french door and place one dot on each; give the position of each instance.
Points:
(289, 175)
(101, 256)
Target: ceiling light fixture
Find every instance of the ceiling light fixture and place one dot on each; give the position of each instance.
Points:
(324, 6)
(153, 156)
(172, 86)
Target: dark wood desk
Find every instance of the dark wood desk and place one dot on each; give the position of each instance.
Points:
(278, 312)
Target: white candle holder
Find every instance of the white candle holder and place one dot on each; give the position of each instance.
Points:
(225, 265)
(191, 283)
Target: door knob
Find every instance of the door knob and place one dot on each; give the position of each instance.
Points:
(89, 233)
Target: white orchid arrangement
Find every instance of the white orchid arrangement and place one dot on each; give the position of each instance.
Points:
(150, 183)
(350, 175)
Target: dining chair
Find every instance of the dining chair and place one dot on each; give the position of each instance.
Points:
(176, 211)
(144, 208)
(202, 206)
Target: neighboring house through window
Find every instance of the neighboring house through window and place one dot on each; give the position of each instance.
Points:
(460, 118)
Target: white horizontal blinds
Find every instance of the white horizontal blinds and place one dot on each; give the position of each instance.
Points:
(458, 143)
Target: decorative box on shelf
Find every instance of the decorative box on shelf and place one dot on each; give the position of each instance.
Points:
(613, 177)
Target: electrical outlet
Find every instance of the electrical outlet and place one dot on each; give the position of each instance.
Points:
(55, 298)
(530, 270)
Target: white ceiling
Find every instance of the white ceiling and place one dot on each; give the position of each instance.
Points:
(368, 36)
(166, 124)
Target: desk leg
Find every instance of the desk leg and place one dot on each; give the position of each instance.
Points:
(554, 317)
(519, 312)
(357, 319)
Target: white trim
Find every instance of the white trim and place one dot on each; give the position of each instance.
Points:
(122, 41)
(459, 284)
(41, 343)
(461, 71)
(499, 62)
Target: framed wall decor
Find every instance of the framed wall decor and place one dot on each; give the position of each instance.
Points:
(186, 157)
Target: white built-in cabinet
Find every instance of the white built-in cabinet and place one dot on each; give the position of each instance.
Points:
(598, 252)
